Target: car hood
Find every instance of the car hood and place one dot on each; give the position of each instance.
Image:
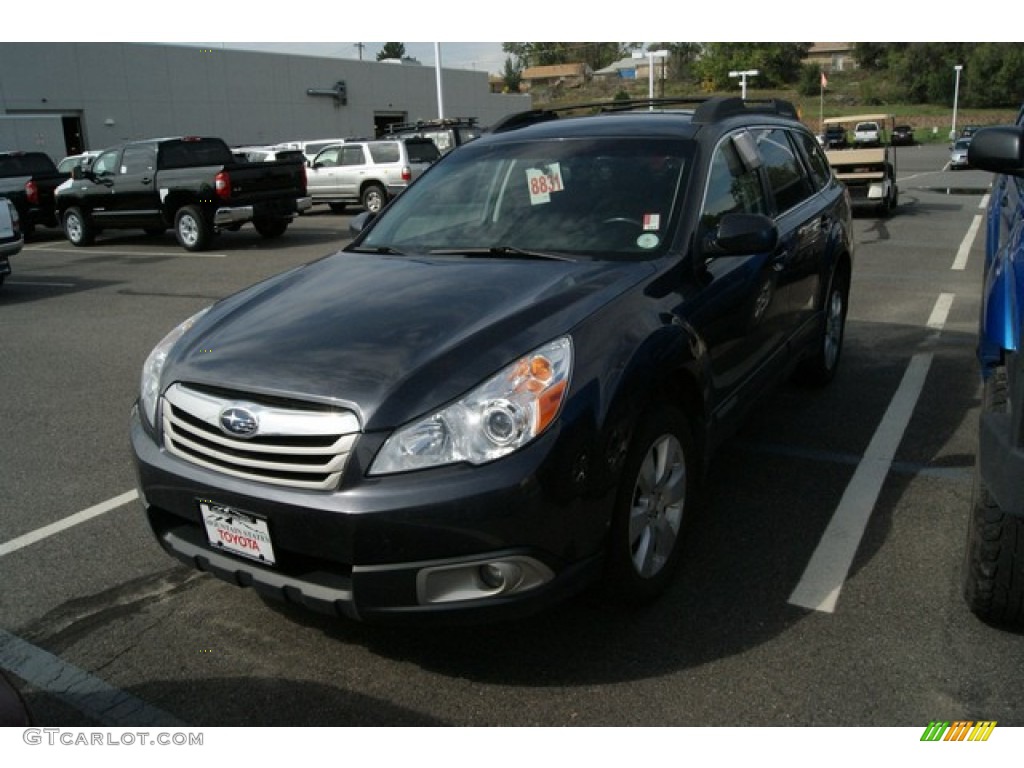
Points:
(391, 337)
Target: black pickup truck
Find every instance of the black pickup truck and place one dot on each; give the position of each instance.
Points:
(192, 184)
(29, 179)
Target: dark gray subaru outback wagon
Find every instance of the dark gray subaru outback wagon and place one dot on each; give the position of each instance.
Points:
(509, 385)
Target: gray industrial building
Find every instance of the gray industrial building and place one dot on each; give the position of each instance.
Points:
(62, 98)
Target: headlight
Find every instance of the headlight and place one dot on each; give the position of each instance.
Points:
(149, 390)
(500, 416)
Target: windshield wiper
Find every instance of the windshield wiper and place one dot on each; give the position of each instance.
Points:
(384, 250)
(500, 251)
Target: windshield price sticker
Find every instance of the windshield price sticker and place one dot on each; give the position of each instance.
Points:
(237, 532)
(543, 182)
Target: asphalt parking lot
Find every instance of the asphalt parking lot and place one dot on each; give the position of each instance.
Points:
(822, 587)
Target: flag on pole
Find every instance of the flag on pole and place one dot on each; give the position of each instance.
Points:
(824, 80)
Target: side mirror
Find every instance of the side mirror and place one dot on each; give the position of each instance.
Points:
(999, 149)
(358, 223)
(77, 173)
(739, 234)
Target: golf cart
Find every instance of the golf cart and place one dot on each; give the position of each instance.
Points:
(869, 173)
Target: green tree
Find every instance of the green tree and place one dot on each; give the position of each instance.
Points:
(682, 57)
(391, 51)
(778, 64)
(993, 75)
(594, 55)
(512, 75)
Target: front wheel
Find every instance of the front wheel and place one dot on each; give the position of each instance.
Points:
(374, 197)
(193, 231)
(78, 227)
(653, 506)
(270, 228)
(993, 571)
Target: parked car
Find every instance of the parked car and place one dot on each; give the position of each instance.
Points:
(993, 575)
(193, 184)
(309, 149)
(835, 137)
(958, 155)
(30, 180)
(867, 134)
(11, 239)
(368, 173)
(903, 136)
(509, 386)
(81, 160)
(447, 133)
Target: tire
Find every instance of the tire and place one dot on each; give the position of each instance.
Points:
(654, 503)
(820, 368)
(193, 231)
(78, 227)
(374, 198)
(993, 571)
(336, 207)
(271, 228)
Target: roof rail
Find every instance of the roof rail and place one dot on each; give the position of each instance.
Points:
(532, 116)
(721, 107)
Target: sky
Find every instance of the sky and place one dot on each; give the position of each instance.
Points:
(307, 29)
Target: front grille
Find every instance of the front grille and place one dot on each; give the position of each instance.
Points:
(293, 446)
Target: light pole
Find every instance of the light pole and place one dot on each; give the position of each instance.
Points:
(956, 98)
(743, 75)
(651, 56)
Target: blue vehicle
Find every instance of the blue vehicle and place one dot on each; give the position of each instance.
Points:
(993, 578)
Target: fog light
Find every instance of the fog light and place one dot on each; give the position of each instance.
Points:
(469, 580)
(501, 576)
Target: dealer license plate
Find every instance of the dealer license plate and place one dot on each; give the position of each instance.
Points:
(237, 532)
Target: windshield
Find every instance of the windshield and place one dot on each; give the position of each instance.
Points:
(608, 196)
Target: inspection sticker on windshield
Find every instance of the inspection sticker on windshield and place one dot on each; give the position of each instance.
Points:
(237, 532)
(543, 182)
(652, 221)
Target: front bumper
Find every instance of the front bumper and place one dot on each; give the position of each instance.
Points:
(403, 547)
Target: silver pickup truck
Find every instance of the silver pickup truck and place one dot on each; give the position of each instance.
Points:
(367, 173)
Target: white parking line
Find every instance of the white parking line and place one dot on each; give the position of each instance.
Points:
(940, 312)
(960, 262)
(823, 578)
(68, 522)
(88, 694)
(984, 202)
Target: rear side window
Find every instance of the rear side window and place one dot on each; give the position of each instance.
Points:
(352, 155)
(385, 152)
(786, 176)
(425, 151)
(194, 153)
(816, 160)
(138, 159)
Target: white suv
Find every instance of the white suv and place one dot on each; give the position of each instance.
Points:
(866, 134)
(368, 173)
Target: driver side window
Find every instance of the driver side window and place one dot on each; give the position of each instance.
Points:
(732, 187)
(106, 164)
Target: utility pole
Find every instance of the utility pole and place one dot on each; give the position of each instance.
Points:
(360, 46)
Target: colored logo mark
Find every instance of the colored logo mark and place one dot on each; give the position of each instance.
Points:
(959, 730)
